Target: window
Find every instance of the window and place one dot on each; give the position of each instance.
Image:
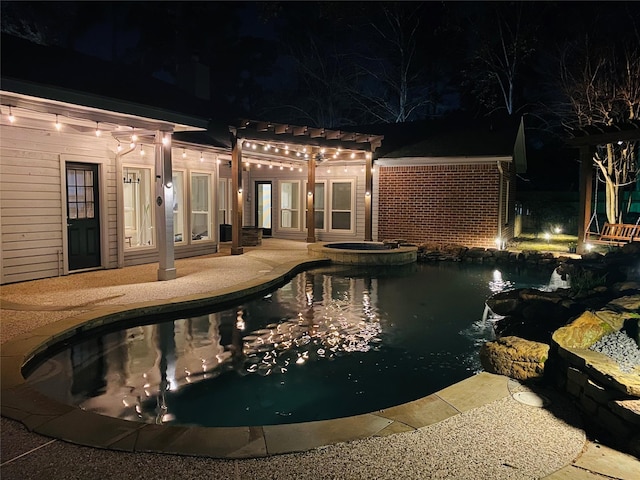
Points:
(200, 206)
(178, 207)
(318, 206)
(506, 206)
(223, 202)
(341, 206)
(138, 214)
(290, 205)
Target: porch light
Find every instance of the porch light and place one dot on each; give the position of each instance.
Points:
(300, 169)
(134, 138)
(276, 149)
(291, 168)
(297, 154)
(353, 155)
(245, 144)
(184, 153)
(310, 193)
(281, 167)
(98, 132)
(254, 146)
(12, 119)
(259, 165)
(57, 124)
(240, 191)
(141, 151)
(368, 193)
(165, 140)
(201, 157)
(271, 164)
(218, 161)
(168, 184)
(119, 147)
(132, 145)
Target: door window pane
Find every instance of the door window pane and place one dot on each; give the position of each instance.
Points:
(200, 206)
(138, 214)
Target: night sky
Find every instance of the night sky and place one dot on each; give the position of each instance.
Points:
(346, 63)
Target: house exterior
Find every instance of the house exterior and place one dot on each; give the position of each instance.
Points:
(102, 172)
(99, 170)
(449, 182)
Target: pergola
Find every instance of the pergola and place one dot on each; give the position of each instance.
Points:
(309, 145)
(586, 139)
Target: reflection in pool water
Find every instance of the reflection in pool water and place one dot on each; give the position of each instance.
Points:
(333, 342)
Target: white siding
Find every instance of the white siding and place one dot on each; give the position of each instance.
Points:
(354, 173)
(33, 212)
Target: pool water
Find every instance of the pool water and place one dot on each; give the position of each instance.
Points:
(333, 342)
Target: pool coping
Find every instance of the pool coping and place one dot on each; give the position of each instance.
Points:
(43, 415)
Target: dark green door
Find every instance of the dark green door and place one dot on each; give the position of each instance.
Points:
(83, 219)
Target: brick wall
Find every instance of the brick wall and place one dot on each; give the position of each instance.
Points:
(443, 203)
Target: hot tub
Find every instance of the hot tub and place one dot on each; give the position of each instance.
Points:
(364, 253)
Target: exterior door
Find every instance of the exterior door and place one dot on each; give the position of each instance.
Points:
(263, 207)
(83, 219)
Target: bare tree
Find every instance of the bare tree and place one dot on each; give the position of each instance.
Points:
(602, 86)
(392, 73)
(503, 46)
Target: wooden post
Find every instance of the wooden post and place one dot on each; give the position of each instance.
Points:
(164, 207)
(236, 195)
(311, 192)
(368, 185)
(586, 190)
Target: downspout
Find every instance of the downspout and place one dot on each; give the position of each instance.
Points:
(120, 207)
(499, 240)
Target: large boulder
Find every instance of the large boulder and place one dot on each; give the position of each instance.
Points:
(515, 357)
(583, 332)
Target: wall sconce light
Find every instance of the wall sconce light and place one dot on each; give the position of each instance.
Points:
(310, 193)
(240, 191)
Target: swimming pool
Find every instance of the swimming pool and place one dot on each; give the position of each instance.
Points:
(333, 342)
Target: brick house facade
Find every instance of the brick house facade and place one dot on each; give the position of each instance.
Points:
(467, 197)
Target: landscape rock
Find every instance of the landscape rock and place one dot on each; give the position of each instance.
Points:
(583, 332)
(515, 357)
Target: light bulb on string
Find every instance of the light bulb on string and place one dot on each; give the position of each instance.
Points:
(184, 153)
(98, 132)
(12, 119)
(281, 167)
(291, 168)
(300, 169)
(119, 147)
(201, 157)
(57, 124)
(141, 151)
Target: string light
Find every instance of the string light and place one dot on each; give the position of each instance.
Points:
(141, 151)
(184, 153)
(57, 124)
(12, 119)
(353, 155)
(201, 157)
(98, 132)
(134, 137)
(119, 147)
